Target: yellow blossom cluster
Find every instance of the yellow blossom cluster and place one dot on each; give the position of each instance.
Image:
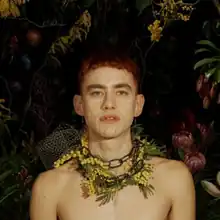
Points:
(10, 8)
(169, 10)
(144, 176)
(80, 155)
(155, 30)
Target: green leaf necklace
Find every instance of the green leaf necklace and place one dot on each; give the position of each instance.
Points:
(98, 179)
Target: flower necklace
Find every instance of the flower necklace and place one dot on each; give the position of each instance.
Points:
(99, 181)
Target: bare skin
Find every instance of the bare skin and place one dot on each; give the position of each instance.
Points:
(57, 193)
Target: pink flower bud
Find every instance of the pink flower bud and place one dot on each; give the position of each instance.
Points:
(195, 161)
(183, 140)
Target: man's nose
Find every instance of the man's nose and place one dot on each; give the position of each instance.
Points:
(109, 102)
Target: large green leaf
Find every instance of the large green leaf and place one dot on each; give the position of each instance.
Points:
(210, 72)
(201, 50)
(209, 44)
(142, 4)
(206, 61)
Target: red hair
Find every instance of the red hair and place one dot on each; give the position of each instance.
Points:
(109, 58)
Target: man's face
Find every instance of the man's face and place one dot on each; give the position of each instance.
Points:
(108, 101)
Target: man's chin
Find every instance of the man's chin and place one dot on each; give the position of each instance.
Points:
(110, 133)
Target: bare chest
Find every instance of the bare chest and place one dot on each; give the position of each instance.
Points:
(129, 204)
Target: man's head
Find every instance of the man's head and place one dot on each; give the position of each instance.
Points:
(109, 98)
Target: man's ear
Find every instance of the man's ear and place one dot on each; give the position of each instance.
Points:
(140, 100)
(78, 105)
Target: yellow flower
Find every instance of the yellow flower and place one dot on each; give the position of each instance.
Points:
(4, 6)
(186, 18)
(84, 141)
(19, 2)
(8, 8)
(155, 30)
(85, 151)
(14, 10)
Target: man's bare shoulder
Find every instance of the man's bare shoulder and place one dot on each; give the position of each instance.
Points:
(47, 190)
(174, 179)
(174, 168)
(173, 174)
(53, 181)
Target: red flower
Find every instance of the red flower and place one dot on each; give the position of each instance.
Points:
(183, 140)
(195, 161)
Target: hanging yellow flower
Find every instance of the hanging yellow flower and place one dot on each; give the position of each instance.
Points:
(155, 30)
(14, 11)
(4, 7)
(10, 8)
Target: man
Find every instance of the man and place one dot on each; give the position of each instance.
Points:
(108, 176)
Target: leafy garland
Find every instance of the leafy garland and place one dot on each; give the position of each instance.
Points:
(99, 180)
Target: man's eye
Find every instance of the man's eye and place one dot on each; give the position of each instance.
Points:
(96, 93)
(122, 93)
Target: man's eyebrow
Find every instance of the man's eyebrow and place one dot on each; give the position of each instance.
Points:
(95, 86)
(123, 85)
(100, 86)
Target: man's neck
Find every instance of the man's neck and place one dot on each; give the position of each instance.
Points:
(109, 149)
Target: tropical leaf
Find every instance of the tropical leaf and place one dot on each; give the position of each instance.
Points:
(210, 188)
(209, 44)
(201, 50)
(206, 61)
(210, 72)
(142, 4)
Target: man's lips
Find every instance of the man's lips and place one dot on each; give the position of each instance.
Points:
(110, 118)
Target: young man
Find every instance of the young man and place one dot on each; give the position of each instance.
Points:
(110, 175)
